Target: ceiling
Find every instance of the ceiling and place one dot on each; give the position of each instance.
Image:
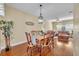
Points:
(49, 10)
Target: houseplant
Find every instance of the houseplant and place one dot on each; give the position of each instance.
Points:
(6, 27)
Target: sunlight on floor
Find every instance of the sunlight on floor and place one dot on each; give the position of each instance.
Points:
(59, 43)
(69, 45)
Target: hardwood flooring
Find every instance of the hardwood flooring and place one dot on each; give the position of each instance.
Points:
(61, 49)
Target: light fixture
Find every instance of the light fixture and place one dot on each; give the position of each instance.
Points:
(69, 17)
(57, 19)
(40, 18)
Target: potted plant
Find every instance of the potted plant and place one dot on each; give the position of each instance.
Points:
(6, 27)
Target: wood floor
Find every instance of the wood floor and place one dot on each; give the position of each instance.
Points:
(61, 49)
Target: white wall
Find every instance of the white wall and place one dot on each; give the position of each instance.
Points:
(76, 30)
(19, 18)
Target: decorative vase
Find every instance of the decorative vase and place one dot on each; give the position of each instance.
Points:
(7, 42)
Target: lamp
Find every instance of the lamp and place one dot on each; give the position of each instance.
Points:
(40, 18)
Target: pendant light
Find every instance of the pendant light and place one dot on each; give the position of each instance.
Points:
(40, 18)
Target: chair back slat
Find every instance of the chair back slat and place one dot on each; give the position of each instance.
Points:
(28, 37)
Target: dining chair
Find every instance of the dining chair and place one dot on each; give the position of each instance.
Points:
(63, 37)
(46, 47)
(31, 48)
(29, 43)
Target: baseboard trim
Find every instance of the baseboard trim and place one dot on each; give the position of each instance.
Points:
(18, 43)
(15, 44)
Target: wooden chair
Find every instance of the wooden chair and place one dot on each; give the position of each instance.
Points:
(29, 43)
(31, 49)
(50, 37)
(46, 46)
(63, 37)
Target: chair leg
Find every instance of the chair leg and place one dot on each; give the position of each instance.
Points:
(31, 51)
(40, 50)
(28, 51)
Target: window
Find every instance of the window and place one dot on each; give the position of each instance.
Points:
(2, 9)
